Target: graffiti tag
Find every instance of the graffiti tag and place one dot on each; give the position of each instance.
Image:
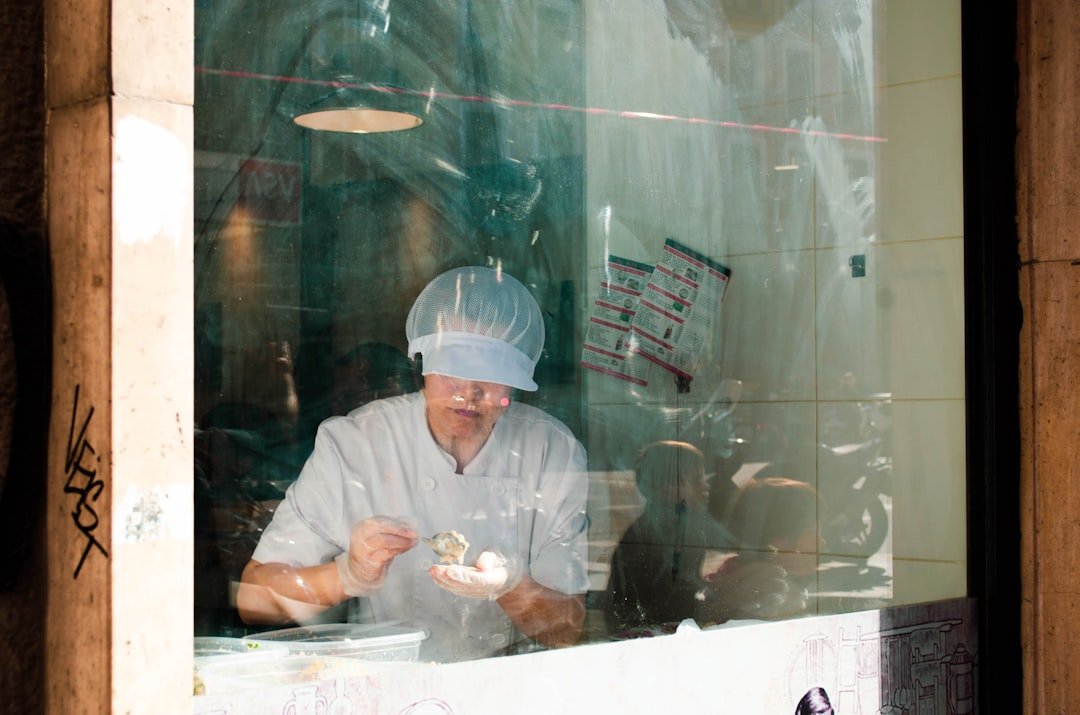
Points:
(80, 467)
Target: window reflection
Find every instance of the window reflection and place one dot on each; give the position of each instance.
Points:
(779, 140)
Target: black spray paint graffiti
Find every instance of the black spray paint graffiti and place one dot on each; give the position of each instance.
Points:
(80, 466)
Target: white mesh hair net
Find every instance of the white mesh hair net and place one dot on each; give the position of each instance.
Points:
(477, 323)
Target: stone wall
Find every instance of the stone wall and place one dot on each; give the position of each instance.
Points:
(1048, 168)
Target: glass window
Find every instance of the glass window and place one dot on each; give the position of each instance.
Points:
(691, 336)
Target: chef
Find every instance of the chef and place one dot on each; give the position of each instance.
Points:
(459, 455)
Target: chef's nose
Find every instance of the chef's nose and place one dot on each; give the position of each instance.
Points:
(468, 389)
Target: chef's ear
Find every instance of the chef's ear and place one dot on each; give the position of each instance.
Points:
(417, 361)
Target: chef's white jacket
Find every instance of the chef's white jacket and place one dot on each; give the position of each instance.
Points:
(523, 494)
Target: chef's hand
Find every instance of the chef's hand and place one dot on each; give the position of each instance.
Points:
(493, 577)
(373, 544)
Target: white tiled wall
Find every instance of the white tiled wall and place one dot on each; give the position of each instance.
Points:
(929, 498)
(921, 177)
(767, 323)
(921, 40)
(859, 106)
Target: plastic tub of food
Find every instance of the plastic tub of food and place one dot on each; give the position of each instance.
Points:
(225, 676)
(366, 641)
(213, 647)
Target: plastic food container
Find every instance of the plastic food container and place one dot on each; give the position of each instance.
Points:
(379, 642)
(209, 648)
(225, 676)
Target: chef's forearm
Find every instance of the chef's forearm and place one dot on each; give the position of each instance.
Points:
(279, 593)
(551, 617)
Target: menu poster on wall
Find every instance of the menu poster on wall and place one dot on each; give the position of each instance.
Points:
(678, 307)
(607, 348)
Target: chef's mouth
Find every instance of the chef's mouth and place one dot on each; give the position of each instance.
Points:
(466, 413)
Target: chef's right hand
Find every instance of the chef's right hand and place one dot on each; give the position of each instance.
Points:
(373, 544)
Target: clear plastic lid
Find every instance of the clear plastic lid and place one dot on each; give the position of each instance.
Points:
(335, 636)
(213, 646)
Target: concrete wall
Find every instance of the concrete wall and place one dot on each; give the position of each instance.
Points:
(1048, 167)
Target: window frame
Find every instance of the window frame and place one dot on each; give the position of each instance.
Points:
(993, 319)
(992, 323)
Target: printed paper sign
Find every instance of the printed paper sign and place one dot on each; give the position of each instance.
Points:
(607, 335)
(678, 307)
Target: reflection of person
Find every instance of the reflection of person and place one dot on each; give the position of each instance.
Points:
(458, 455)
(779, 516)
(656, 568)
(774, 520)
(814, 702)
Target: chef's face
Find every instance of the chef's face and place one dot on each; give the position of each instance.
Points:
(463, 409)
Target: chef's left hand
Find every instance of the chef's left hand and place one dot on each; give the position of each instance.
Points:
(493, 577)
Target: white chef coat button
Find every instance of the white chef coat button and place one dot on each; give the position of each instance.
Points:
(499, 639)
(499, 489)
(427, 484)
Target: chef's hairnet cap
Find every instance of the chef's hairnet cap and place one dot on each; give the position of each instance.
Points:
(479, 324)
